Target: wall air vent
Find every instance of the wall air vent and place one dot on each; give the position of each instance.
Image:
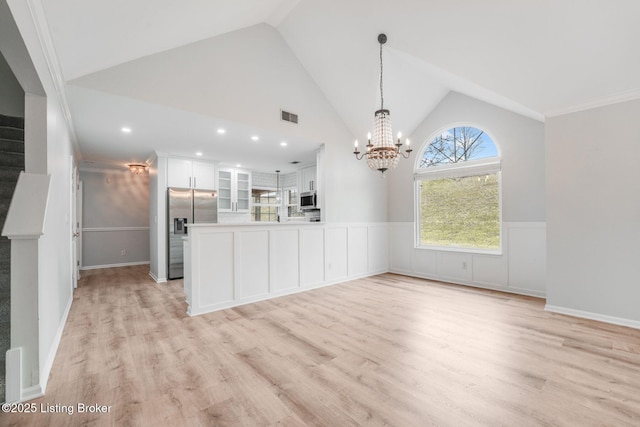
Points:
(288, 117)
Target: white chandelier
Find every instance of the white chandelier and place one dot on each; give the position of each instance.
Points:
(383, 154)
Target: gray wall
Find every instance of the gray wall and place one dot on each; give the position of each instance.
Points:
(521, 144)
(115, 209)
(11, 93)
(593, 211)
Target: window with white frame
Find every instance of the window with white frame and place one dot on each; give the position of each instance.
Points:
(264, 205)
(458, 192)
(292, 201)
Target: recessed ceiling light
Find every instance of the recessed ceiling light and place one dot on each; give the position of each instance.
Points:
(238, 165)
(221, 131)
(198, 153)
(255, 138)
(283, 144)
(126, 130)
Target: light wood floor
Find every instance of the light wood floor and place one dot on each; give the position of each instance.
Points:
(387, 350)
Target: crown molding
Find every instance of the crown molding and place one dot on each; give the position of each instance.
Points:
(55, 70)
(616, 98)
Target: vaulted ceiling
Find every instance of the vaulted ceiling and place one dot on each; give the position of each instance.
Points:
(175, 71)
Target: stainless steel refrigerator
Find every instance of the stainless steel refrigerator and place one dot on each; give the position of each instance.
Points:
(186, 206)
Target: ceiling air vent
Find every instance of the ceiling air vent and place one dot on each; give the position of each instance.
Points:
(288, 117)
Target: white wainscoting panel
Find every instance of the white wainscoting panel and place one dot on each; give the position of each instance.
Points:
(521, 268)
(455, 266)
(490, 270)
(254, 263)
(311, 256)
(336, 252)
(401, 254)
(425, 262)
(285, 259)
(214, 268)
(357, 253)
(378, 248)
(232, 264)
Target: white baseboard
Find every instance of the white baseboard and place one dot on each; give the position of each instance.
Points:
(191, 311)
(479, 285)
(593, 316)
(48, 364)
(156, 279)
(32, 392)
(124, 264)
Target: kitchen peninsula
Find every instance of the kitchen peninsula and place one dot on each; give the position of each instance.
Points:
(226, 265)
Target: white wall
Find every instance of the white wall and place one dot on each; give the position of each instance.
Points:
(271, 78)
(49, 142)
(593, 213)
(521, 266)
(116, 218)
(158, 218)
(55, 246)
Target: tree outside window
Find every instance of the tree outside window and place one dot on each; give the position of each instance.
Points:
(458, 144)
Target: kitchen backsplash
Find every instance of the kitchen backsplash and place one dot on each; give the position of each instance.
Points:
(233, 217)
(268, 180)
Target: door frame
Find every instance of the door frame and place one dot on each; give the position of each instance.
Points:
(76, 221)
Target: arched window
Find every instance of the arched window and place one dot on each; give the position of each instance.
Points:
(458, 192)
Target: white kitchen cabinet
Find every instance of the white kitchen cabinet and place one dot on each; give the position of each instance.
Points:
(234, 190)
(204, 175)
(184, 173)
(307, 180)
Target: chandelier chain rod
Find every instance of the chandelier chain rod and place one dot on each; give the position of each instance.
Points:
(381, 92)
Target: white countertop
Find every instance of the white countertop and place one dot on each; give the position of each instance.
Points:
(255, 224)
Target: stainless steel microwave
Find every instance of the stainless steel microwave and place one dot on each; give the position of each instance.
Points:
(308, 201)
